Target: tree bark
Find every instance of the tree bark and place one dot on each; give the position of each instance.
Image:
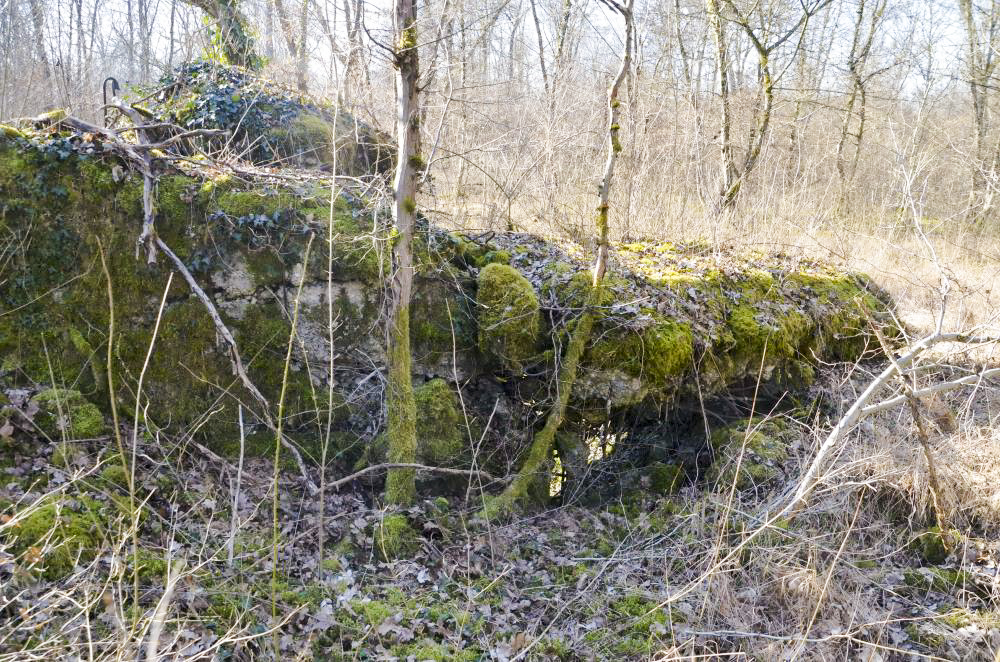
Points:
(856, 61)
(295, 40)
(400, 482)
(235, 42)
(727, 164)
(38, 23)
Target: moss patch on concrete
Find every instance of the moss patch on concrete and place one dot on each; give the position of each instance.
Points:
(65, 413)
(750, 453)
(440, 441)
(509, 318)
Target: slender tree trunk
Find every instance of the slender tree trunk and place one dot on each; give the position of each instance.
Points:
(539, 454)
(614, 149)
(541, 47)
(764, 50)
(38, 23)
(856, 61)
(302, 55)
(295, 40)
(982, 43)
(727, 165)
(400, 483)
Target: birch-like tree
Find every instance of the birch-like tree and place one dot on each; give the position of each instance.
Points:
(402, 409)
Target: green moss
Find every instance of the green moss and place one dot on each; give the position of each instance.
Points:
(395, 538)
(443, 323)
(924, 638)
(373, 612)
(941, 580)
(762, 445)
(491, 257)
(439, 423)
(67, 412)
(665, 478)
(306, 139)
(400, 484)
(659, 354)
(641, 614)
(114, 475)
(933, 545)
(63, 455)
(427, 649)
(58, 532)
(508, 316)
(152, 567)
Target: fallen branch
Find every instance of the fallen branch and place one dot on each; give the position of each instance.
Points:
(941, 387)
(148, 181)
(408, 465)
(861, 408)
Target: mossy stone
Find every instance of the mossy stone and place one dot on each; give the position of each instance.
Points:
(67, 412)
(764, 448)
(659, 354)
(72, 529)
(508, 316)
(665, 478)
(933, 545)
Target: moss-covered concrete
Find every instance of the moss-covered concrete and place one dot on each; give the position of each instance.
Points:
(440, 441)
(669, 324)
(749, 453)
(509, 318)
(66, 414)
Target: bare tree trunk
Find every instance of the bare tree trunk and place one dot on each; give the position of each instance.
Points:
(614, 147)
(727, 165)
(38, 22)
(353, 66)
(295, 40)
(764, 50)
(302, 57)
(541, 47)
(236, 42)
(856, 61)
(400, 485)
(982, 41)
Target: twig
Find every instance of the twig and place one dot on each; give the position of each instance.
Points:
(160, 614)
(409, 465)
(234, 521)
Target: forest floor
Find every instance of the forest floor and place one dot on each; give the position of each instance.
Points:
(857, 574)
